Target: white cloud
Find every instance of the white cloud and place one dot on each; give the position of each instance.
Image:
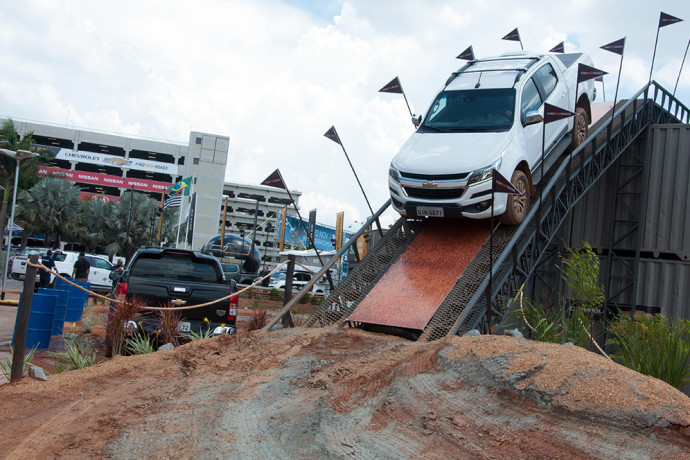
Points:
(274, 76)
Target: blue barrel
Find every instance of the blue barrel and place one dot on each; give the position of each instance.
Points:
(77, 301)
(60, 307)
(40, 320)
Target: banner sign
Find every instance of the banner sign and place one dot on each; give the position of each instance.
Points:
(296, 236)
(311, 228)
(339, 220)
(116, 161)
(190, 221)
(104, 179)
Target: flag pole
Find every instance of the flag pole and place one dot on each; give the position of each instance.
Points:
(615, 97)
(681, 69)
(656, 41)
(332, 134)
(310, 240)
(160, 219)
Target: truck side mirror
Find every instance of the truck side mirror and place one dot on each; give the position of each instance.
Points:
(532, 118)
(416, 120)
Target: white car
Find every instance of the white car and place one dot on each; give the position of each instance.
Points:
(488, 116)
(99, 274)
(299, 280)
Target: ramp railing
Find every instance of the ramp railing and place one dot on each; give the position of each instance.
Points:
(520, 258)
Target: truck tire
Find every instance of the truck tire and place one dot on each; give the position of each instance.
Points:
(517, 206)
(580, 128)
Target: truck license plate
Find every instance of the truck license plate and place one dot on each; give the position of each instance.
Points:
(183, 326)
(425, 211)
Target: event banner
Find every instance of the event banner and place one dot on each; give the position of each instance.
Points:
(116, 161)
(104, 179)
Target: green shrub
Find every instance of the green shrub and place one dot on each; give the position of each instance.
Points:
(274, 294)
(653, 345)
(6, 366)
(78, 354)
(140, 344)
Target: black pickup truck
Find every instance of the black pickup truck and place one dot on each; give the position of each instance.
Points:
(180, 278)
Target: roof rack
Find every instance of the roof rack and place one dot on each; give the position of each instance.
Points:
(521, 70)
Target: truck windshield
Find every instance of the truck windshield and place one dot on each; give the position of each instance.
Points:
(485, 110)
(175, 268)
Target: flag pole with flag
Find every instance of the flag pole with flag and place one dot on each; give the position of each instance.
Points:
(395, 87)
(333, 135)
(499, 184)
(275, 179)
(514, 36)
(664, 20)
(617, 47)
(560, 48)
(551, 114)
(584, 73)
(467, 55)
(603, 86)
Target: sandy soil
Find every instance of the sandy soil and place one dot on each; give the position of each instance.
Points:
(336, 393)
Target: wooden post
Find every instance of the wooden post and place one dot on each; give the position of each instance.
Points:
(287, 317)
(23, 321)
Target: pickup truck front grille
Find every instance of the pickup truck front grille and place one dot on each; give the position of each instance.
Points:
(435, 193)
(433, 177)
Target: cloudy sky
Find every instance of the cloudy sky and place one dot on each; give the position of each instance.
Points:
(274, 75)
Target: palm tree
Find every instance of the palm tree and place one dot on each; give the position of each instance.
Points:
(27, 168)
(142, 208)
(97, 221)
(51, 206)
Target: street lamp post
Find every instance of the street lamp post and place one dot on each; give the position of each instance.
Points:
(19, 155)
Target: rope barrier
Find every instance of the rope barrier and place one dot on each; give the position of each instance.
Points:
(187, 307)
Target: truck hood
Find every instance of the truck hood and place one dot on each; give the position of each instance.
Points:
(447, 153)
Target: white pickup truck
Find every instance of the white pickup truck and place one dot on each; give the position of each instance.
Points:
(489, 116)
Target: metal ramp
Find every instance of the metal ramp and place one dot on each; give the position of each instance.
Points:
(518, 251)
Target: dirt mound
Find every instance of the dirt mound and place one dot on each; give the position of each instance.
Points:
(340, 392)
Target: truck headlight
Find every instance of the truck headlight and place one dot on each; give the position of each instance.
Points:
(393, 173)
(484, 174)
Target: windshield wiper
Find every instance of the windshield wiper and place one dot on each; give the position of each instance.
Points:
(433, 128)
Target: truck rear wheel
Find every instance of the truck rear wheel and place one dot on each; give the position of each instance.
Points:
(517, 205)
(580, 128)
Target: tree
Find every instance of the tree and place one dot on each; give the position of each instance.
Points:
(27, 168)
(142, 208)
(98, 221)
(51, 207)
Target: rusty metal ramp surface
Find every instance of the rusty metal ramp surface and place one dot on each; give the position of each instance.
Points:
(412, 289)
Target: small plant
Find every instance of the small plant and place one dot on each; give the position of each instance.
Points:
(298, 320)
(140, 344)
(256, 304)
(170, 321)
(6, 366)
(316, 300)
(656, 346)
(259, 320)
(202, 334)
(78, 354)
(274, 294)
(122, 311)
(306, 298)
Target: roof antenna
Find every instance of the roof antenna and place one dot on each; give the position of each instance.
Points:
(479, 80)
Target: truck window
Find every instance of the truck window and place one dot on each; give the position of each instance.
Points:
(178, 268)
(548, 79)
(530, 99)
(472, 110)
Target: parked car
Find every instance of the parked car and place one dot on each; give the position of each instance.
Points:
(18, 270)
(299, 279)
(233, 271)
(488, 116)
(99, 274)
(162, 277)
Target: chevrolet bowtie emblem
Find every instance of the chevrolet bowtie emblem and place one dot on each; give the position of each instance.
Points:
(118, 161)
(430, 184)
(178, 302)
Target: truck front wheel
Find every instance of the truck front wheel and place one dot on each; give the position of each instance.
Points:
(517, 205)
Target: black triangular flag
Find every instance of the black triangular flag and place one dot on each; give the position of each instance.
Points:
(667, 20)
(333, 135)
(500, 184)
(553, 113)
(467, 55)
(615, 47)
(275, 180)
(513, 36)
(560, 48)
(585, 72)
(392, 87)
